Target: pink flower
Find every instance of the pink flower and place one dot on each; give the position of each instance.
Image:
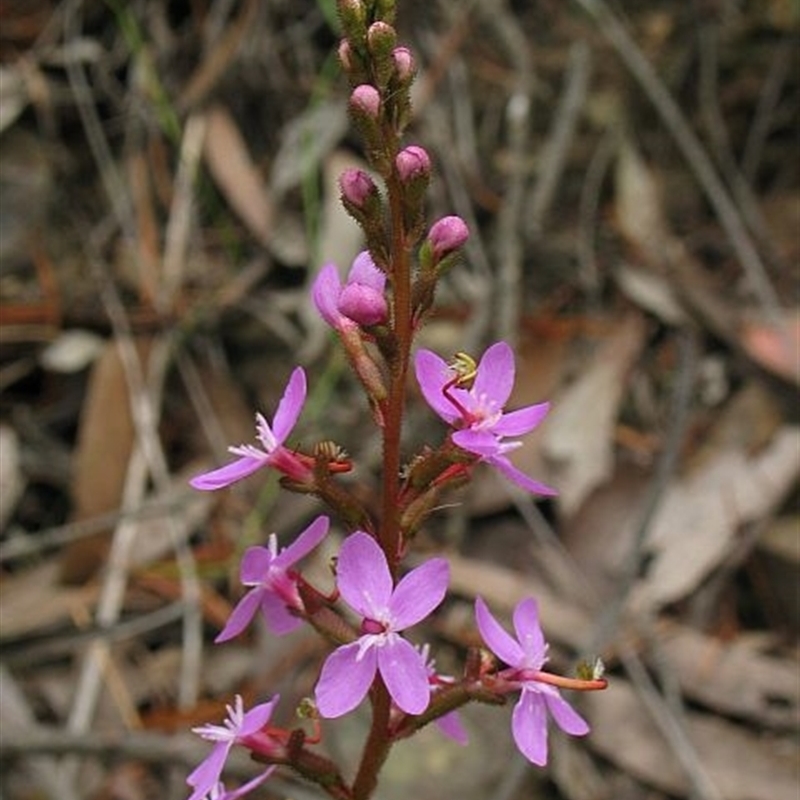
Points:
(360, 301)
(525, 657)
(235, 728)
(273, 582)
(274, 454)
(365, 584)
(477, 413)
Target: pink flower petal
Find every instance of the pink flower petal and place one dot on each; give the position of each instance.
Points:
(225, 476)
(405, 675)
(495, 375)
(522, 421)
(205, 776)
(279, 619)
(529, 727)
(520, 478)
(325, 292)
(255, 565)
(304, 543)
(432, 374)
(247, 787)
(481, 443)
(418, 593)
(501, 643)
(363, 576)
(566, 717)
(345, 680)
(453, 728)
(364, 271)
(257, 717)
(241, 616)
(290, 406)
(529, 633)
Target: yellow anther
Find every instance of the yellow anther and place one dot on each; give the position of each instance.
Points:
(465, 369)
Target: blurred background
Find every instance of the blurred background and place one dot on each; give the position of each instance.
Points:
(630, 174)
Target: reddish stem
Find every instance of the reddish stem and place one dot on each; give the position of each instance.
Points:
(401, 288)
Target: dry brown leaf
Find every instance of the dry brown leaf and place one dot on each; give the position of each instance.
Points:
(698, 519)
(734, 677)
(32, 601)
(638, 206)
(12, 481)
(599, 537)
(105, 442)
(237, 176)
(742, 764)
(578, 438)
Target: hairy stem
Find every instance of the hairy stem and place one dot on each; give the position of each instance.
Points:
(377, 746)
(401, 287)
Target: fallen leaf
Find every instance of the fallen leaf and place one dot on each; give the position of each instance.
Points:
(33, 601)
(698, 519)
(12, 481)
(742, 764)
(104, 445)
(578, 438)
(734, 677)
(237, 176)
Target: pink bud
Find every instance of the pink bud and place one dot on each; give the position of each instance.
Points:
(366, 99)
(363, 304)
(447, 235)
(356, 186)
(412, 162)
(403, 63)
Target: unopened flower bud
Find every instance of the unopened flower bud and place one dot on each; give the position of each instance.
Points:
(366, 100)
(357, 187)
(447, 235)
(412, 163)
(353, 16)
(384, 10)
(381, 39)
(404, 66)
(363, 304)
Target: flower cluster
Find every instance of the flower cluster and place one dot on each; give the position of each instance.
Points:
(369, 613)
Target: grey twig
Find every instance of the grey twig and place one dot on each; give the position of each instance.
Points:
(553, 155)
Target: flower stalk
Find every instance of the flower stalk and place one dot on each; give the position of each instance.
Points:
(375, 311)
